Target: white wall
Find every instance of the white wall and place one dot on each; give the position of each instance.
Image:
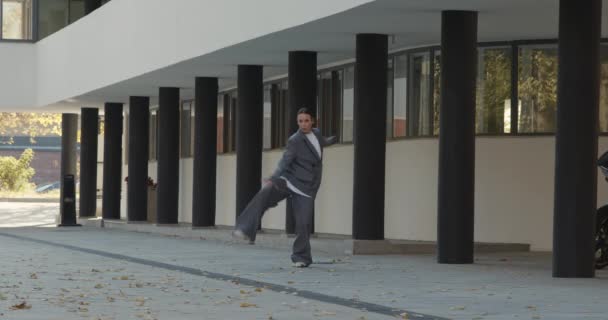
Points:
(17, 80)
(513, 190)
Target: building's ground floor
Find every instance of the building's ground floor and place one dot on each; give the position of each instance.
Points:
(514, 190)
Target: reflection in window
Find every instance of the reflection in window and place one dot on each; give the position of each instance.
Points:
(493, 91)
(389, 99)
(17, 19)
(604, 88)
(399, 96)
(227, 116)
(220, 123)
(329, 102)
(153, 150)
(279, 121)
(52, 16)
(436, 91)
(267, 140)
(348, 97)
(185, 125)
(76, 10)
(420, 115)
(537, 87)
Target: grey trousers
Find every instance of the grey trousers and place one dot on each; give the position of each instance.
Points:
(269, 196)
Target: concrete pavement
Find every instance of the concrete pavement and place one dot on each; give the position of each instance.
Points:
(91, 273)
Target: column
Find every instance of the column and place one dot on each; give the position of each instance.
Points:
(576, 139)
(205, 152)
(112, 155)
(370, 136)
(168, 155)
(457, 137)
(249, 134)
(67, 197)
(137, 187)
(89, 130)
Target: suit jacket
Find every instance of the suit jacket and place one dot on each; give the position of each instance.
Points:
(301, 164)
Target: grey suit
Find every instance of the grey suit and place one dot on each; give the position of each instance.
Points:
(302, 166)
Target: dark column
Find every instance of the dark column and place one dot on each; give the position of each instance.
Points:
(205, 155)
(576, 138)
(112, 167)
(91, 5)
(89, 130)
(370, 136)
(302, 94)
(249, 134)
(168, 155)
(67, 197)
(457, 137)
(137, 188)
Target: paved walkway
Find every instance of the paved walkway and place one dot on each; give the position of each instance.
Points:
(89, 273)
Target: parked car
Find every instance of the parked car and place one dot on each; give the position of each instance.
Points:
(48, 187)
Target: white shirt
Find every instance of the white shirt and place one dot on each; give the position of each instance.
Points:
(315, 143)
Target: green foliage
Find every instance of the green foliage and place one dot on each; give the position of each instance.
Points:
(29, 124)
(496, 81)
(15, 174)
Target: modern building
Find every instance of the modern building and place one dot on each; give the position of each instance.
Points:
(459, 121)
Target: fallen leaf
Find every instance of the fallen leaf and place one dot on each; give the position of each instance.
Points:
(259, 290)
(21, 306)
(248, 305)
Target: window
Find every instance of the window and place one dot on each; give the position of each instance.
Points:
(76, 10)
(436, 67)
(493, 114)
(420, 115)
(185, 125)
(227, 103)
(153, 148)
(126, 135)
(537, 86)
(53, 15)
(389, 98)
(348, 97)
(279, 94)
(604, 88)
(399, 118)
(267, 135)
(16, 19)
(329, 102)
(220, 123)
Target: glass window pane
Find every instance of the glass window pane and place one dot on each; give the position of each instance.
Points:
(220, 123)
(267, 118)
(436, 92)
(348, 96)
(537, 85)
(52, 16)
(17, 19)
(185, 129)
(604, 88)
(493, 114)
(76, 10)
(329, 102)
(400, 96)
(153, 134)
(389, 99)
(420, 115)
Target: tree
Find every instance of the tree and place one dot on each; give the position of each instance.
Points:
(29, 124)
(15, 174)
